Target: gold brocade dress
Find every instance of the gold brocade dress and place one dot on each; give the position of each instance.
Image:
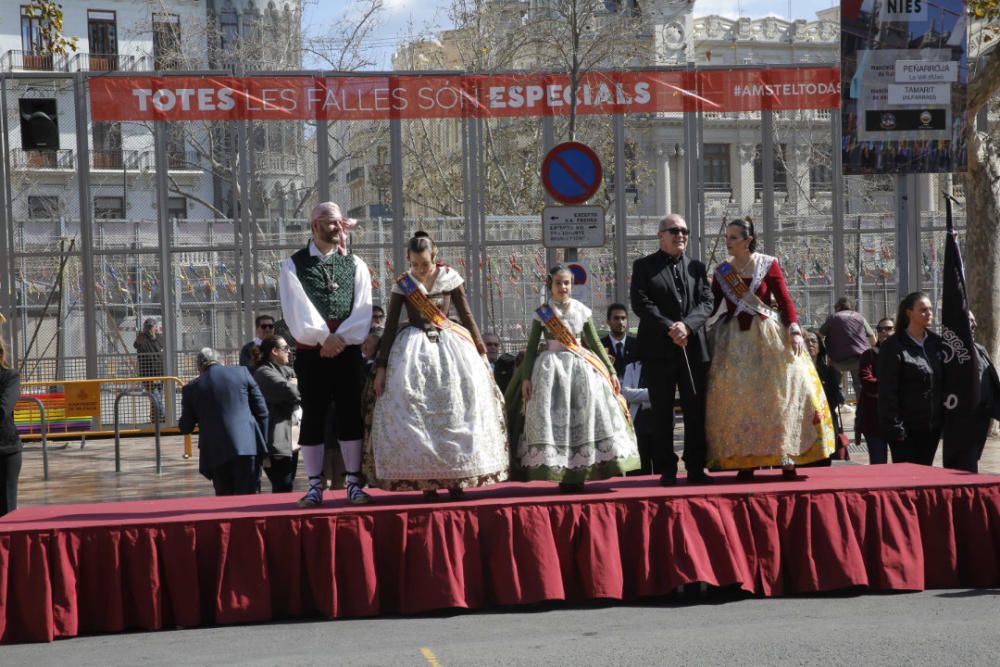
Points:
(765, 405)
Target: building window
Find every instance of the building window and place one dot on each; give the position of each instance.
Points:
(820, 178)
(43, 207)
(107, 145)
(780, 172)
(177, 208)
(102, 34)
(229, 29)
(166, 41)
(34, 46)
(715, 167)
(109, 208)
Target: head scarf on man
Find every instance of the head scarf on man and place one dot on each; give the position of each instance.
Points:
(347, 224)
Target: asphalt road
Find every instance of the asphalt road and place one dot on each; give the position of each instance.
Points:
(929, 628)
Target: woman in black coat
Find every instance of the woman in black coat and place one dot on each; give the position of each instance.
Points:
(910, 391)
(277, 382)
(10, 441)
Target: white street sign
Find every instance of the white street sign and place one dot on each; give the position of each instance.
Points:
(926, 71)
(920, 94)
(573, 226)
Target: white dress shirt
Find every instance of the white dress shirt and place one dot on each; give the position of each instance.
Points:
(304, 320)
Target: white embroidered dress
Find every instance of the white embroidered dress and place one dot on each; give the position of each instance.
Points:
(440, 421)
(574, 428)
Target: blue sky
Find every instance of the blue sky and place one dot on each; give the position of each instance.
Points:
(405, 19)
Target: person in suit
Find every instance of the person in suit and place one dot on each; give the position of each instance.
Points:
(503, 364)
(227, 406)
(967, 457)
(643, 418)
(279, 387)
(264, 325)
(621, 347)
(671, 295)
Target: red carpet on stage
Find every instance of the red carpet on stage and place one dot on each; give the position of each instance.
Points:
(74, 569)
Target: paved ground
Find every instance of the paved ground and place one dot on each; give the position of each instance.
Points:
(931, 628)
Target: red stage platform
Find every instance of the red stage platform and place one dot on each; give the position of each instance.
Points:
(75, 569)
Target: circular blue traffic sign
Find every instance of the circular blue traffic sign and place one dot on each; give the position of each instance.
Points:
(571, 173)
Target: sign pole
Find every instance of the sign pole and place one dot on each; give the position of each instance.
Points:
(621, 213)
(548, 141)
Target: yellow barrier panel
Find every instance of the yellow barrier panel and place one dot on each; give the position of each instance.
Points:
(79, 403)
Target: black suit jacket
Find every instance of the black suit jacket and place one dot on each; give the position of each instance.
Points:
(631, 353)
(989, 396)
(503, 370)
(230, 412)
(657, 302)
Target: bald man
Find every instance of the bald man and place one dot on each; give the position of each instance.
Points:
(326, 298)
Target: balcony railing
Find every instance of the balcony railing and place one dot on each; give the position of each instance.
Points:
(115, 159)
(61, 159)
(107, 62)
(182, 160)
(15, 61)
(358, 173)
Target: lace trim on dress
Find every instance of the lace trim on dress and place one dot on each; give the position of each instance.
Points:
(447, 279)
(574, 314)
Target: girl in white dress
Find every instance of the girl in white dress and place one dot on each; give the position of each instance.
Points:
(438, 421)
(576, 425)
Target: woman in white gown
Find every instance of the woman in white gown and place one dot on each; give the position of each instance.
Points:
(438, 421)
(576, 426)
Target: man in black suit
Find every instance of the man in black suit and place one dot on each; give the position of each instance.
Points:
(229, 409)
(264, 327)
(672, 297)
(622, 348)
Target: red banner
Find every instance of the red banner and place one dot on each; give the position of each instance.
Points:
(139, 98)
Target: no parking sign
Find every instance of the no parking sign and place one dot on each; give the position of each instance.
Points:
(571, 173)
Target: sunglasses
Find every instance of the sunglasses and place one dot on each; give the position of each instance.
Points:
(677, 231)
(266, 326)
(884, 328)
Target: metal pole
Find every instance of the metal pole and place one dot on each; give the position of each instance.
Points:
(837, 210)
(396, 160)
(621, 213)
(86, 232)
(246, 231)
(43, 427)
(323, 161)
(164, 233)
(768, 243)
(475, 237)
(548, 143)
(7, 301)
(907, 274)
(692, 181)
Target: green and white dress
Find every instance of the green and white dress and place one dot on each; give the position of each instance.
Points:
(573, 428)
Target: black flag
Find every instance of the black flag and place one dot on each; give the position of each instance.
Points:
(961, 364)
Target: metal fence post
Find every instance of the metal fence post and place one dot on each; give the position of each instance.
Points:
(769, 242)
(6, 225)
(621, 212)
(323, 162)
(246, 230)
(86, 221)
(396, 159)
(837, 211)
(165, 239)
(548, 143)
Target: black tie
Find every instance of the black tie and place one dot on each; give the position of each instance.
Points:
(620, 352)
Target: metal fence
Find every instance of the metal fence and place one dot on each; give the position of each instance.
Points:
(187, 222)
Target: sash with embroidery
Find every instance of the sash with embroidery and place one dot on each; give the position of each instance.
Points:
(733, 287)
(418, 299)
(562, 334)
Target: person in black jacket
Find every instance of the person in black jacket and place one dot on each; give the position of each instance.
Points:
(671, 295)
(149, 355)
(621, 347)
(830, 378)
(277, 383)
(968, 451)
(10, 441)
(910, 391)
(264, 327)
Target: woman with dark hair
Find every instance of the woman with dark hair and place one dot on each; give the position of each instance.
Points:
(830, 378)
(576, 425)
(758, 347)
(438, 420)
(10, 441)
(277, 383)
(910, 376)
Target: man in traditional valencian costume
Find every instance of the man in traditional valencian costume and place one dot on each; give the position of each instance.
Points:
(327, 303)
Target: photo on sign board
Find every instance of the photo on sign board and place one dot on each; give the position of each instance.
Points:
(903, 87)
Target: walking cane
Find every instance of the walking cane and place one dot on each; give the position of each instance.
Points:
(687, 363)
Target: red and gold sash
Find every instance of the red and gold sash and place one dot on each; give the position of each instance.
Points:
(561, 333)
(732, 285)
(418, 299)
